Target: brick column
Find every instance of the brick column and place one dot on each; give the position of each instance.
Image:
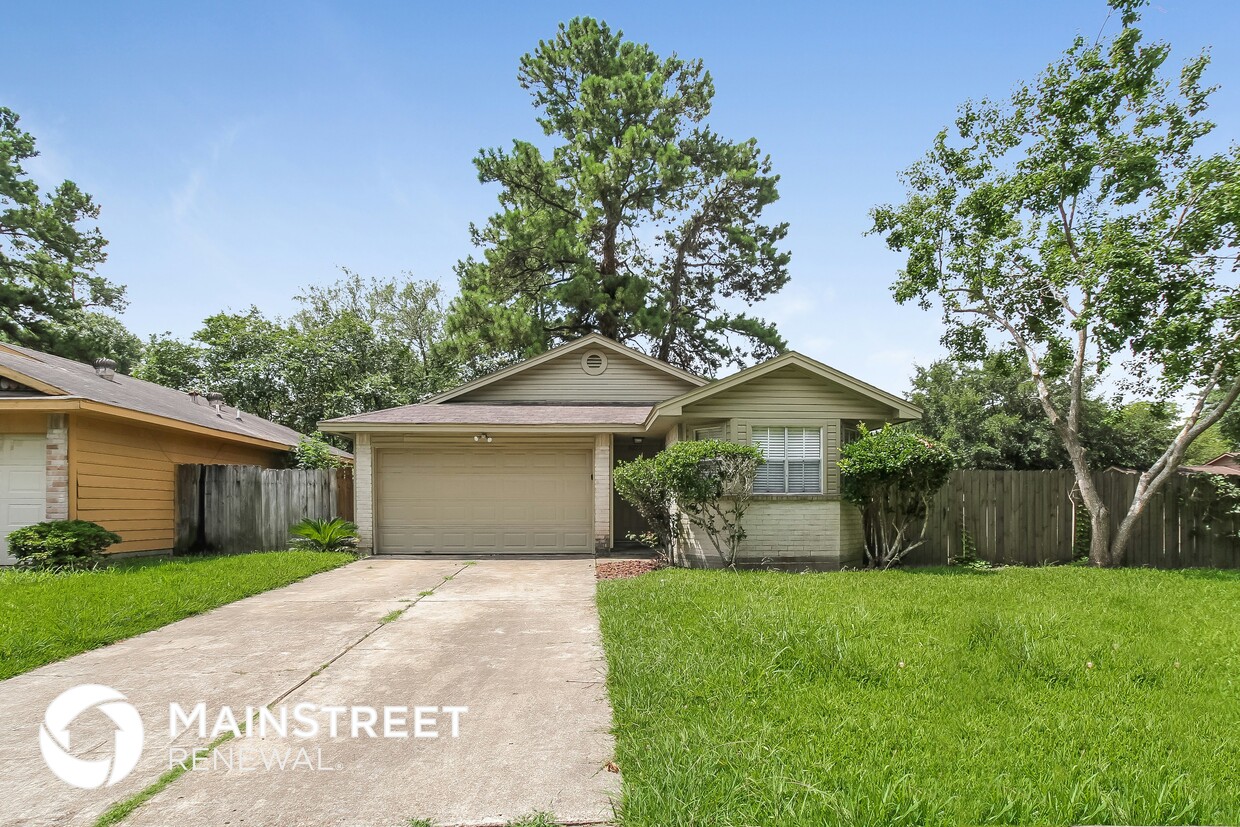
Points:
(602, 492)
(57, 467)
(363, 493)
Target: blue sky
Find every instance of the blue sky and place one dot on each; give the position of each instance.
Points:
(241, 151)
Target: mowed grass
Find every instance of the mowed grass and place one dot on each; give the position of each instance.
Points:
(778, 699)
(45, 617)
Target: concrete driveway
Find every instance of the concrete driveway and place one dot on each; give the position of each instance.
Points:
(516, 642)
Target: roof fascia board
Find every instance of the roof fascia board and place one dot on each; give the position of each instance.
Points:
(584, 341)
(51, 404)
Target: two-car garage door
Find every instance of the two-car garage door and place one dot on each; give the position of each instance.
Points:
(484, 498)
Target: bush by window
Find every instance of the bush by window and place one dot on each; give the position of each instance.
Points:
(891, 475)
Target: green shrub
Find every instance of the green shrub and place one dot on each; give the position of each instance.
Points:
(639, 483)
(314, 452)
(891, 475)
(709, 483)
(324, 535)
(61, 544)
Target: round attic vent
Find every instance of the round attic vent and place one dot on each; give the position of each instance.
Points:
(594, 363)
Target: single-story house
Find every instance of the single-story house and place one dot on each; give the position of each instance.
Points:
(80, 442)
(520, 461)
(1227, 464)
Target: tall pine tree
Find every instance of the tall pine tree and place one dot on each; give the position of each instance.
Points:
(48, 255)
(635, 220)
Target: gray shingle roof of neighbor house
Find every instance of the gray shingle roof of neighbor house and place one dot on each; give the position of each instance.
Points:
(67, 379)
(502, 414)
(1228, 464)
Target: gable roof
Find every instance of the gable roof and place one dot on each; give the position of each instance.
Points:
(57, 381)
(589, 340)
(902, 408)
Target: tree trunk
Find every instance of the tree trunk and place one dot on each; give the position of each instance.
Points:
(609, 267)
(1100, 551)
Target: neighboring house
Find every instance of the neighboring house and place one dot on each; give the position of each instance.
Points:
(1223, 464)
(520, 461)
(78, 442)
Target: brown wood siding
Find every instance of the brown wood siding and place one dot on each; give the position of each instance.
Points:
(564, 380)
(21, 422)
(122, 475)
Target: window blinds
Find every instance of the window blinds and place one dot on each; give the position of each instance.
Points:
(793, 460)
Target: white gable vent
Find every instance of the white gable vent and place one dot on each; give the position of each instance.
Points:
(594, 363)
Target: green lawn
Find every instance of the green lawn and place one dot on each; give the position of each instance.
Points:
(46, 617)
(778, 699)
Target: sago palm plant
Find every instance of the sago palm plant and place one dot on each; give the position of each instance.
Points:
(324, 535)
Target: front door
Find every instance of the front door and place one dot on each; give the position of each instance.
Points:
(625, 517)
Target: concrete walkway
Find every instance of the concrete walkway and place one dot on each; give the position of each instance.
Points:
(515, 641)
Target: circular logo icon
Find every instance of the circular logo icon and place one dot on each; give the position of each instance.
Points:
(90, 773)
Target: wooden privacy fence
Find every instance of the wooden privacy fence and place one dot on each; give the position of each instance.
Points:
(1030, 518)
(237, 508)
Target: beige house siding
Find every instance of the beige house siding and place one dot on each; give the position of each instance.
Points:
(363, 492)
(790, 533)
(794, 397)
(788, 393)
(852, 538)
(564, 379)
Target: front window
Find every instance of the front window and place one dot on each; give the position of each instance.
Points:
(709, 432)
(793, 460)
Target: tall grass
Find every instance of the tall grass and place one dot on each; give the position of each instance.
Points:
(45, 617)
(1024, 696)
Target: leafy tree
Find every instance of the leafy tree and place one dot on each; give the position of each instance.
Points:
(891, 476)
(638, 223)
(354, 346)
(86, 335)
(48, 253)
(312, 451)
(1211, 444)
(1228, 427)
(1081, 221)
(172, 363)
(988, 414)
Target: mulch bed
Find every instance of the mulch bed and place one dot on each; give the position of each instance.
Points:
(615, 569)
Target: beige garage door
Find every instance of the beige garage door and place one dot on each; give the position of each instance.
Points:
(483, 499)
(22, 486)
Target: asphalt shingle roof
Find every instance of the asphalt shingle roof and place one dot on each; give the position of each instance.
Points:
(80, 381)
